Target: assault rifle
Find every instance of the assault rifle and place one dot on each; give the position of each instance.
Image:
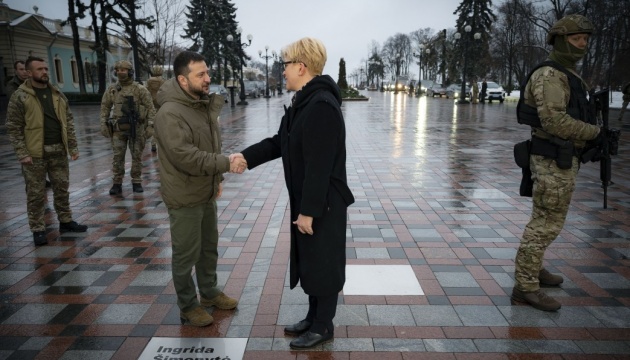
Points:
(133, 117)
(610, 142)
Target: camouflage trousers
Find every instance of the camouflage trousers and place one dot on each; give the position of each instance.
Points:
(120, 142)
(55, 164)
(553, 188)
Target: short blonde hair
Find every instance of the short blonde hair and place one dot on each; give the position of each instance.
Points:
(309, 51)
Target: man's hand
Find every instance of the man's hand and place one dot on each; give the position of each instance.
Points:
(148, 133)
(26, 160)
(304, 224)
(105, 130)
(238, 164)
(220, 190)
(75, 156)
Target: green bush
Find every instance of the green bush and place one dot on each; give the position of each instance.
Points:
(350, 93)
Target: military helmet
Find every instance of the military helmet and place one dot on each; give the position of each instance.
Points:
(570, 24)
(157, 70)
(123, 64)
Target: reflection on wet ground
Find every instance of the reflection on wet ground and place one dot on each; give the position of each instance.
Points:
(437, 193)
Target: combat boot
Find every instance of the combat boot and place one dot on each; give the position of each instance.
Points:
(116, 189)
(547, 278)
(39, 237)
(137, 187)
(72, 226)
(197, 317)
(537, 299)
(221, 301)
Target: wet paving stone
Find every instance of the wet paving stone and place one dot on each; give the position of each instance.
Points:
(436, 190)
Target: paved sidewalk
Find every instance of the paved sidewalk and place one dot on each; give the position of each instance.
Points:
(437, 194)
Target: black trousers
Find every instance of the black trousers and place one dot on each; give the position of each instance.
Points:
(321, 311)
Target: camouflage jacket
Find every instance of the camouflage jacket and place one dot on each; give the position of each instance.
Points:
(12, 85)
(114, 98)
(548, 91)
(153, 85)
(25, 122)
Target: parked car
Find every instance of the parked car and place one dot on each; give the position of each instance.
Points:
(251, 89)
(436, 90)
(453, 91)
(494, 92)
(424, 86)
(219, 89)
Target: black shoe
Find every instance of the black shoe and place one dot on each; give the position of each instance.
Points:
(298, 329)
(48, 184)
(72, 226)
(137, 188)
(116, 189)
(309, 340)
(39, 237)
(153, 148)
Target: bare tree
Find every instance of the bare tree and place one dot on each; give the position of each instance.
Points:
(168, 15)
(72, 19)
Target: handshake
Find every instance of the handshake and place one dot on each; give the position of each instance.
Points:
(238, 164)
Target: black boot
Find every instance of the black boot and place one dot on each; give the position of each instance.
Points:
(39, 237)
(137, 187)
(116, 189)
(310, 339)
(298, 328)
(72, 226)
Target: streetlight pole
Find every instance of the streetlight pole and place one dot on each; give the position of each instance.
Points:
(467, 29)
(278, 58)
(266, 57)
(241, 54)
(419, 57)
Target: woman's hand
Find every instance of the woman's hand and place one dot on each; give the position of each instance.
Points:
(304, 224)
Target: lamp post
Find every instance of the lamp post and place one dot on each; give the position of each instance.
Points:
(230, 38)
(419, 57)
(477, 36)
(278, 59)
(266, 57)
(361, 78)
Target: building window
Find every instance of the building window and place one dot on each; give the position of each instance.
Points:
(75, 71)
(88, 72)
(58, 71)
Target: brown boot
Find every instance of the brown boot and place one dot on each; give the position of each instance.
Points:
(537, 299)
(221, 301)
(197, 317)
(547, 278)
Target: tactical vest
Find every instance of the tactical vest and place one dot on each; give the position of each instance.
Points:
(578, 108)
(121, 110)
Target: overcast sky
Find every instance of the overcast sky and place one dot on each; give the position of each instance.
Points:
(346, 27)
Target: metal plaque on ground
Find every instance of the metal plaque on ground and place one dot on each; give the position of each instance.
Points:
(163, 348)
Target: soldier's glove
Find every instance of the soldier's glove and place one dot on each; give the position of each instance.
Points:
(149, 131)
(105, 131)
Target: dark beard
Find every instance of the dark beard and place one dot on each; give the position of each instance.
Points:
(197, 91)
(41, 80)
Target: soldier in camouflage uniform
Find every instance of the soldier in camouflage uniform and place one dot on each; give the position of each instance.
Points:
(41, 130)
(20, 75)
(116, 114)
(557, 95)
(153, 85)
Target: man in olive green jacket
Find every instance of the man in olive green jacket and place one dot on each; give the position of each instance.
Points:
(191, 171)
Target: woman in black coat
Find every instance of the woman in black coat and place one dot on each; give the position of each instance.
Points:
(312, 143)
